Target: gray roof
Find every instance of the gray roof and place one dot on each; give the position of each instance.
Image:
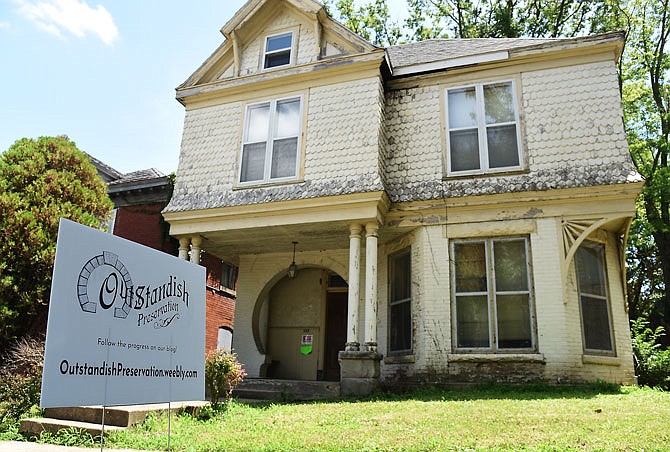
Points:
(138, 176)
(107, 173)
(444, 49)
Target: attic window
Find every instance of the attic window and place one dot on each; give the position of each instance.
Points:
(278, 50)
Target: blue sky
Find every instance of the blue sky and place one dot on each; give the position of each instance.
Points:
(103, 72)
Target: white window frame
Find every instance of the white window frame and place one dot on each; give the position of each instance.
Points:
(602, 249)
(491, 295)
(269, 141)
(290, 49)
(481, 129)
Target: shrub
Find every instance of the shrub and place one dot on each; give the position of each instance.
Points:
(222, 373)
(652, 361)
(21, 379)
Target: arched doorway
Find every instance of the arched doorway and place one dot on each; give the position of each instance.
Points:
(306, 326)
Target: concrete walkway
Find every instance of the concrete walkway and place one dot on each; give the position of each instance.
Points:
(20, 446)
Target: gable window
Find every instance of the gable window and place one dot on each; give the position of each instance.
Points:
(271, 141)
(492, 296)
(400, 303)
(593, 298)
(483, 128)
(278, 50)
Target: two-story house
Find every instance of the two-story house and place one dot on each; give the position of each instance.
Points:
(444, 211)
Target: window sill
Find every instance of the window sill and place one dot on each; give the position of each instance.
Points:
(601, 360)
(496, 358)
(267, 184)
(400, 359)
(489, 173)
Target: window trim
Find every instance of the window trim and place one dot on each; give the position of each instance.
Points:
(291, 49)
(484, 167)
(391, 263)
(491, 294)
(267, 165)
(602, 247)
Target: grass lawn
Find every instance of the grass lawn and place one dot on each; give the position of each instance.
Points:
(484, 418)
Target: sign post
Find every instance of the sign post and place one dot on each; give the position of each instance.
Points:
(126, 324)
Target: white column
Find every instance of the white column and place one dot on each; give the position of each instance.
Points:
(353, 342)
(371, 286)
(184, 243)
(196, 242)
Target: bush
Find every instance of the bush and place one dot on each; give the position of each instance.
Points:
(652, 361)
(222, 373)
(21, 379)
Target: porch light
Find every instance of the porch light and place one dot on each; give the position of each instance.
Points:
(292, 269)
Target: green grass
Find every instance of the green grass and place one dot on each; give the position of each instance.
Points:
(484, 418)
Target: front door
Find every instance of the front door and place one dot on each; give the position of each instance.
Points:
(336, 333)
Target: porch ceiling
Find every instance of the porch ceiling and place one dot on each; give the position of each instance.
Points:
(230, 244)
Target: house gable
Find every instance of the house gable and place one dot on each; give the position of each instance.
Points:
(315, 36)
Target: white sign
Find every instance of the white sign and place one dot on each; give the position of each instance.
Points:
(126, 323)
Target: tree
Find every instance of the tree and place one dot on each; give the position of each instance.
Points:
(646, 96)
(40, 181)
(428, 19)
(371, 21)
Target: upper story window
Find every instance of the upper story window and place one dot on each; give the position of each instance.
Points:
(492, 295)
(271, 141)
(593, 299)
(483, 128)
(278, 50)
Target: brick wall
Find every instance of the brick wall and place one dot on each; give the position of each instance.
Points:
(220, 305)
(144, 224)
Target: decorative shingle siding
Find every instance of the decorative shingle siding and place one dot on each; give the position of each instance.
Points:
(414, 169)
(207, 162)
(572, 128)
(343, 130)
(573, 115)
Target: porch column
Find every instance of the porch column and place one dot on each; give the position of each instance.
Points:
(196, 242)
(353, 343)
(371, 286)
(184, 243)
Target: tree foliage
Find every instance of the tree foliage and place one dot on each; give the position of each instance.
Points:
(40, 181)
(428, 19)
(646, 98)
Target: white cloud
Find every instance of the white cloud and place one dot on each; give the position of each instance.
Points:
(73, 16)
(5, 25)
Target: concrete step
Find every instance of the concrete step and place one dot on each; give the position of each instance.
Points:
(257, 394)
(37, 425)
(121, 416)
(89, 418)
(287, 390)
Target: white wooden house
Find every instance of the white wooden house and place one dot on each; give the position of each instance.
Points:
(460, 207)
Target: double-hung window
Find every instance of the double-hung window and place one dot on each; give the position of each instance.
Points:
(492, 295)
(278, 50)
(400, 303)
(593, 299)
(483, 128)
(271, 141)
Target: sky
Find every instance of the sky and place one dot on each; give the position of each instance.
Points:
(104, 72)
